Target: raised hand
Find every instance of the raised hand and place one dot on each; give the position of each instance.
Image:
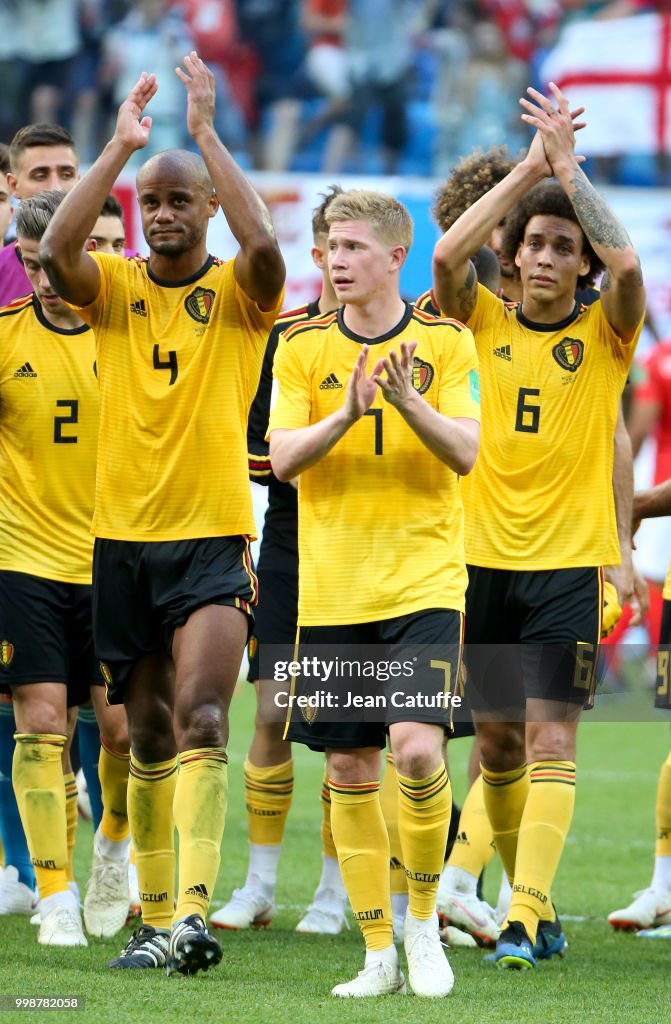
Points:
(132, 129)
(397, 386)
(361, 389)
(200, 86)
(556, 126)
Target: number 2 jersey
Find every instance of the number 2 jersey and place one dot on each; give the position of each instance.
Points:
(48, 440)
(541, 493)
(178, 365)
(380, 520)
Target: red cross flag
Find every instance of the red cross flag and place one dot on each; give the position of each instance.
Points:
(620, 71)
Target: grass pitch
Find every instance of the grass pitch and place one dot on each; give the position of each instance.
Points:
(278, 976)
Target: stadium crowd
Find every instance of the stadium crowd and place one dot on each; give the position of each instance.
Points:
(426, 445)
(402, 86)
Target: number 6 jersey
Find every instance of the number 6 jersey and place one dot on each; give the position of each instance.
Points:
(48, 439)
(380, 520)
(179, 365)
(541, 494)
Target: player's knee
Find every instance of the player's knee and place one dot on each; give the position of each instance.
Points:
(502, 747)
(551, 741)
(349, 769)
(203, 726)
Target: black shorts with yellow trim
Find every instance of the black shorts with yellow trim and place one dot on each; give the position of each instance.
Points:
(275, 616)
(144, 591)
(662, 687)
(46, 635)
(532, 635)
(408, 638)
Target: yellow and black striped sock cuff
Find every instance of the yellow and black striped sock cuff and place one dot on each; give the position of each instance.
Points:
(419, 790)
(217, 755)
(275, 780)
(152, 772)
(70, 786)
(491, 778)
(552, 771)
(353, 790)
(390, 758)
(52, 739)
(114, 753)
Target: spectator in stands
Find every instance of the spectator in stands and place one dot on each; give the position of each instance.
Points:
(324, 23)
(153, 28)
(50, 42)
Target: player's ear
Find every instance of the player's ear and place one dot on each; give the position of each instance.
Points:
(318, 257)
(212, 205)
(11, 181)
(585, 265)
(91, 245)
(398, 255)
(518, 258)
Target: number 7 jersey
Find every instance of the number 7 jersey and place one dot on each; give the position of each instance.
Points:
(48, 440)
(541, 494)
(380, 520)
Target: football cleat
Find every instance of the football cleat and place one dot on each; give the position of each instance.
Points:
(650, 908)
(147, 947)
(452, 936)
(62, 926)
(191, 948)
(252, 906)
(550, 940)
(663, 932)
(325, 915)
(514, 949)
(429, 971)
(15, 896)
(380, 977)
(469, 914)
(107, 896)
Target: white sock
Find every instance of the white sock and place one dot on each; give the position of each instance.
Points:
(399, 904)
(413, 923)
(65, 898)
(331, 877)
(505, 893)
(263, 862)
(112, 849)
(458, 880)
(661, 878)
(389, 953)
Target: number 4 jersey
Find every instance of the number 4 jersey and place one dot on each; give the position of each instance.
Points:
(541, 493)
(178, 365)
(48, 439)
(380, 520)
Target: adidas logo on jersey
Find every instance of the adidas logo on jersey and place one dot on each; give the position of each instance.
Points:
(138, 307)
(25, 371)
(461, 838)
(503, 352)
(330, 383)
(198, 890)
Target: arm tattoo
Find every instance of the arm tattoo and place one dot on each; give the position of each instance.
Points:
(605, 282)
(598, 222)
(467, 295)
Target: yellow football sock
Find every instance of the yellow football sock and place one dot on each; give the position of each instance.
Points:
(268, 793)
(113, 771)
(424, 807)
(389, 805)
(328, 846)
(545, 824)
(71, 818)
(663, 811)
(505, 795)
(201, 798)
(151, 790)
(474, 846)
(37, 775)
(362, 843)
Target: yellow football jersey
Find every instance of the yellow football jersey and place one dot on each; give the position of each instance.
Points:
(380, 519)
(48, 439)
(178, 365)
(666, 593)
(541, 493)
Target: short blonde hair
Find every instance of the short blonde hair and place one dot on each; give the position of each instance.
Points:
(389, 219)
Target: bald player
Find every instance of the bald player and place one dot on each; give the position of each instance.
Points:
(180, 340)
